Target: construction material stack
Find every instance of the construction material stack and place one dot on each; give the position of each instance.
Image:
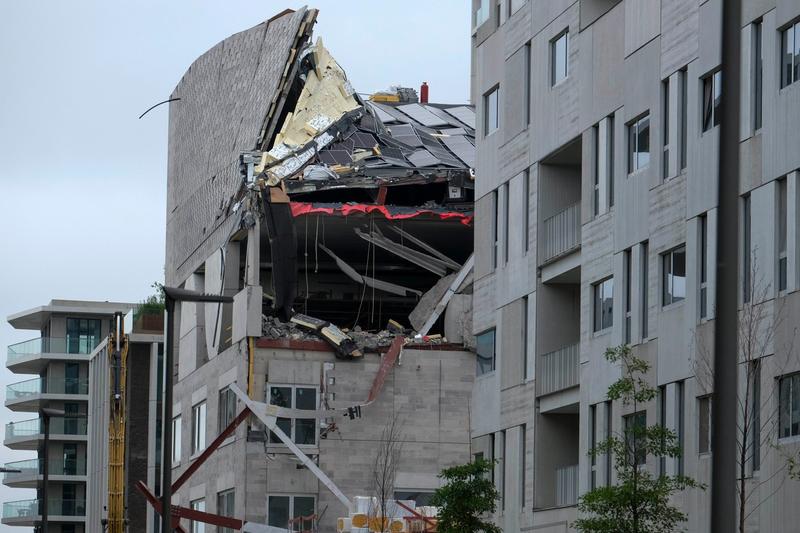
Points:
(403, 516)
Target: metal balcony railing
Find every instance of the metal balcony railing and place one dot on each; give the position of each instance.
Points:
(55, 507)
(35, 386)
(35, 467)
(566, 485)
(79, 344)
(561, 232)
(559, 370)
(58, 426)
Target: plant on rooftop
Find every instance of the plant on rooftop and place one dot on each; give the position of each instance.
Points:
(153, 304)
(466, 498)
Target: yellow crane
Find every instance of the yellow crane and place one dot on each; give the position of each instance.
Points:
(117, 364)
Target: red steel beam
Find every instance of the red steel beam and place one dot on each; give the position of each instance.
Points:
(386, 365)
(190, 514)
(156, 503)
(210, 449)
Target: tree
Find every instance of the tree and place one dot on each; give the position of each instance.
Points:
(384, 472)
(467, 496)
(640, 501)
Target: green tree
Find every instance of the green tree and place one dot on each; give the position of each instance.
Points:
(640, 501)
(466, 497)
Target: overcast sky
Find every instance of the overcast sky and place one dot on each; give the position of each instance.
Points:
(83, 181)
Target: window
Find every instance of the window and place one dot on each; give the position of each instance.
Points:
(789, 413)
(496, 228)
(70, 504)
(481, 15)
(790, 55)
(198, 427)
(704, 424)
(83, 335)
(522, 458)
(527, 91)
(639, 144)
(644, 276)
(280, 509)
(559, 51)
(674, 283)
(680, 406)
(684, 113)
(702, 222)
(506, 220)
(525, 338)
(662, 420)
(665, 122)
(227, 408)
(610, 160)
(491, 111)
(70, 459)
(746, 252)
(757, 76)
(198, 505)
(300, 430)
(176, 439)
(420, 497)
(596, 196)
(608, 433)
(592, 446)
(502, 467)
(712, 91)
(225, 507)
(485, 348)
(626, 265)
(755, 418)
(782, 234)
(72, 376)
(635, 426)
(603, 304)
(526, 207)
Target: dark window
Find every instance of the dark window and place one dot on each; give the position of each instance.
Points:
(559, 57)
(592, 446)
(684, 113)
(69, 459)
(603, 304)
(525, 337)
(496, 227)
(491, 111)
(626, 265)
(70, 505)
(522, 459)
(527, 91)
(704, 424)
(680, 408)
(790, 55)
(506, 220)
(608, 433)
(420, 497)
(662, 420)
(703, 223)
(300, 430)
(635, 426)
(526, 207)
(645, 275)
(674, 282)
(485, 352)
(226, 506)
(83, 335)
(758, 68)
(596, 195)
(789, 414)
(712, 92)
(227, 408)
(282, 508)
(72, 376)
(746, 252)
(610, 160)
(782, 214)
(639, 144)
(755, 444)
(665, 132)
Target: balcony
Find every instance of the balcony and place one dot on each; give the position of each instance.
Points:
(27, 434)
(31, 357)
(32, 470)
(559, 370)
(561, 233)
(34, 393)
(28, 512)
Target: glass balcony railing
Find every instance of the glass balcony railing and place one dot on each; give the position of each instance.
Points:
(71, 425)
(32, 508)
(79, 344)
(35, 386)
(35, 467)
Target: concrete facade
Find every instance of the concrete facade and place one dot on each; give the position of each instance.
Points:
(626, 60)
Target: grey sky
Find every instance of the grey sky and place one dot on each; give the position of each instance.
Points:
(82, 181)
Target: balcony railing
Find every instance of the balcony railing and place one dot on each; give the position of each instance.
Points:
(561, 232)
(566, 485)
(36, 386)
(559, 370)
(35, 467)
(82, 344)
(32, 508)
(58, 426)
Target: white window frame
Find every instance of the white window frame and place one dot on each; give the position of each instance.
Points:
(292, 434)
(714, 80)
(198, 505)
(199, 427)
(557, 76)
(226, 512)
(176, 439)
(596, 299)
(491, 100)
(792, 30)
(634, 163)
(668, 296)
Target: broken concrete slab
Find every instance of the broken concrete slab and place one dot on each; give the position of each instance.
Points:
(428, 302)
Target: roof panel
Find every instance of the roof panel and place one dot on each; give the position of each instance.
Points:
(422, 115)
(462, 147)
(464, 114)
(423, 158)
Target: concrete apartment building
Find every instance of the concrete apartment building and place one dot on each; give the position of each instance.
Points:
(60, 359)
(596, 217)
(290, 193)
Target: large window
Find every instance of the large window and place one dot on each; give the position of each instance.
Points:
(300, 430)
(198, 505)
(790, 55)
(198, 427)
(559, 58)
(674, 281)
(704, 424)
(712, 92)
(491, 111)
(603, 304)
(176, 439)
(225, 507)
(635, 438)
(83, 335)
(485, 352)
(789, 415)
(639, 144)
(227, 408)
(281, 509)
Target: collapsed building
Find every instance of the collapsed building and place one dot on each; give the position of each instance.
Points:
(342, 228)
